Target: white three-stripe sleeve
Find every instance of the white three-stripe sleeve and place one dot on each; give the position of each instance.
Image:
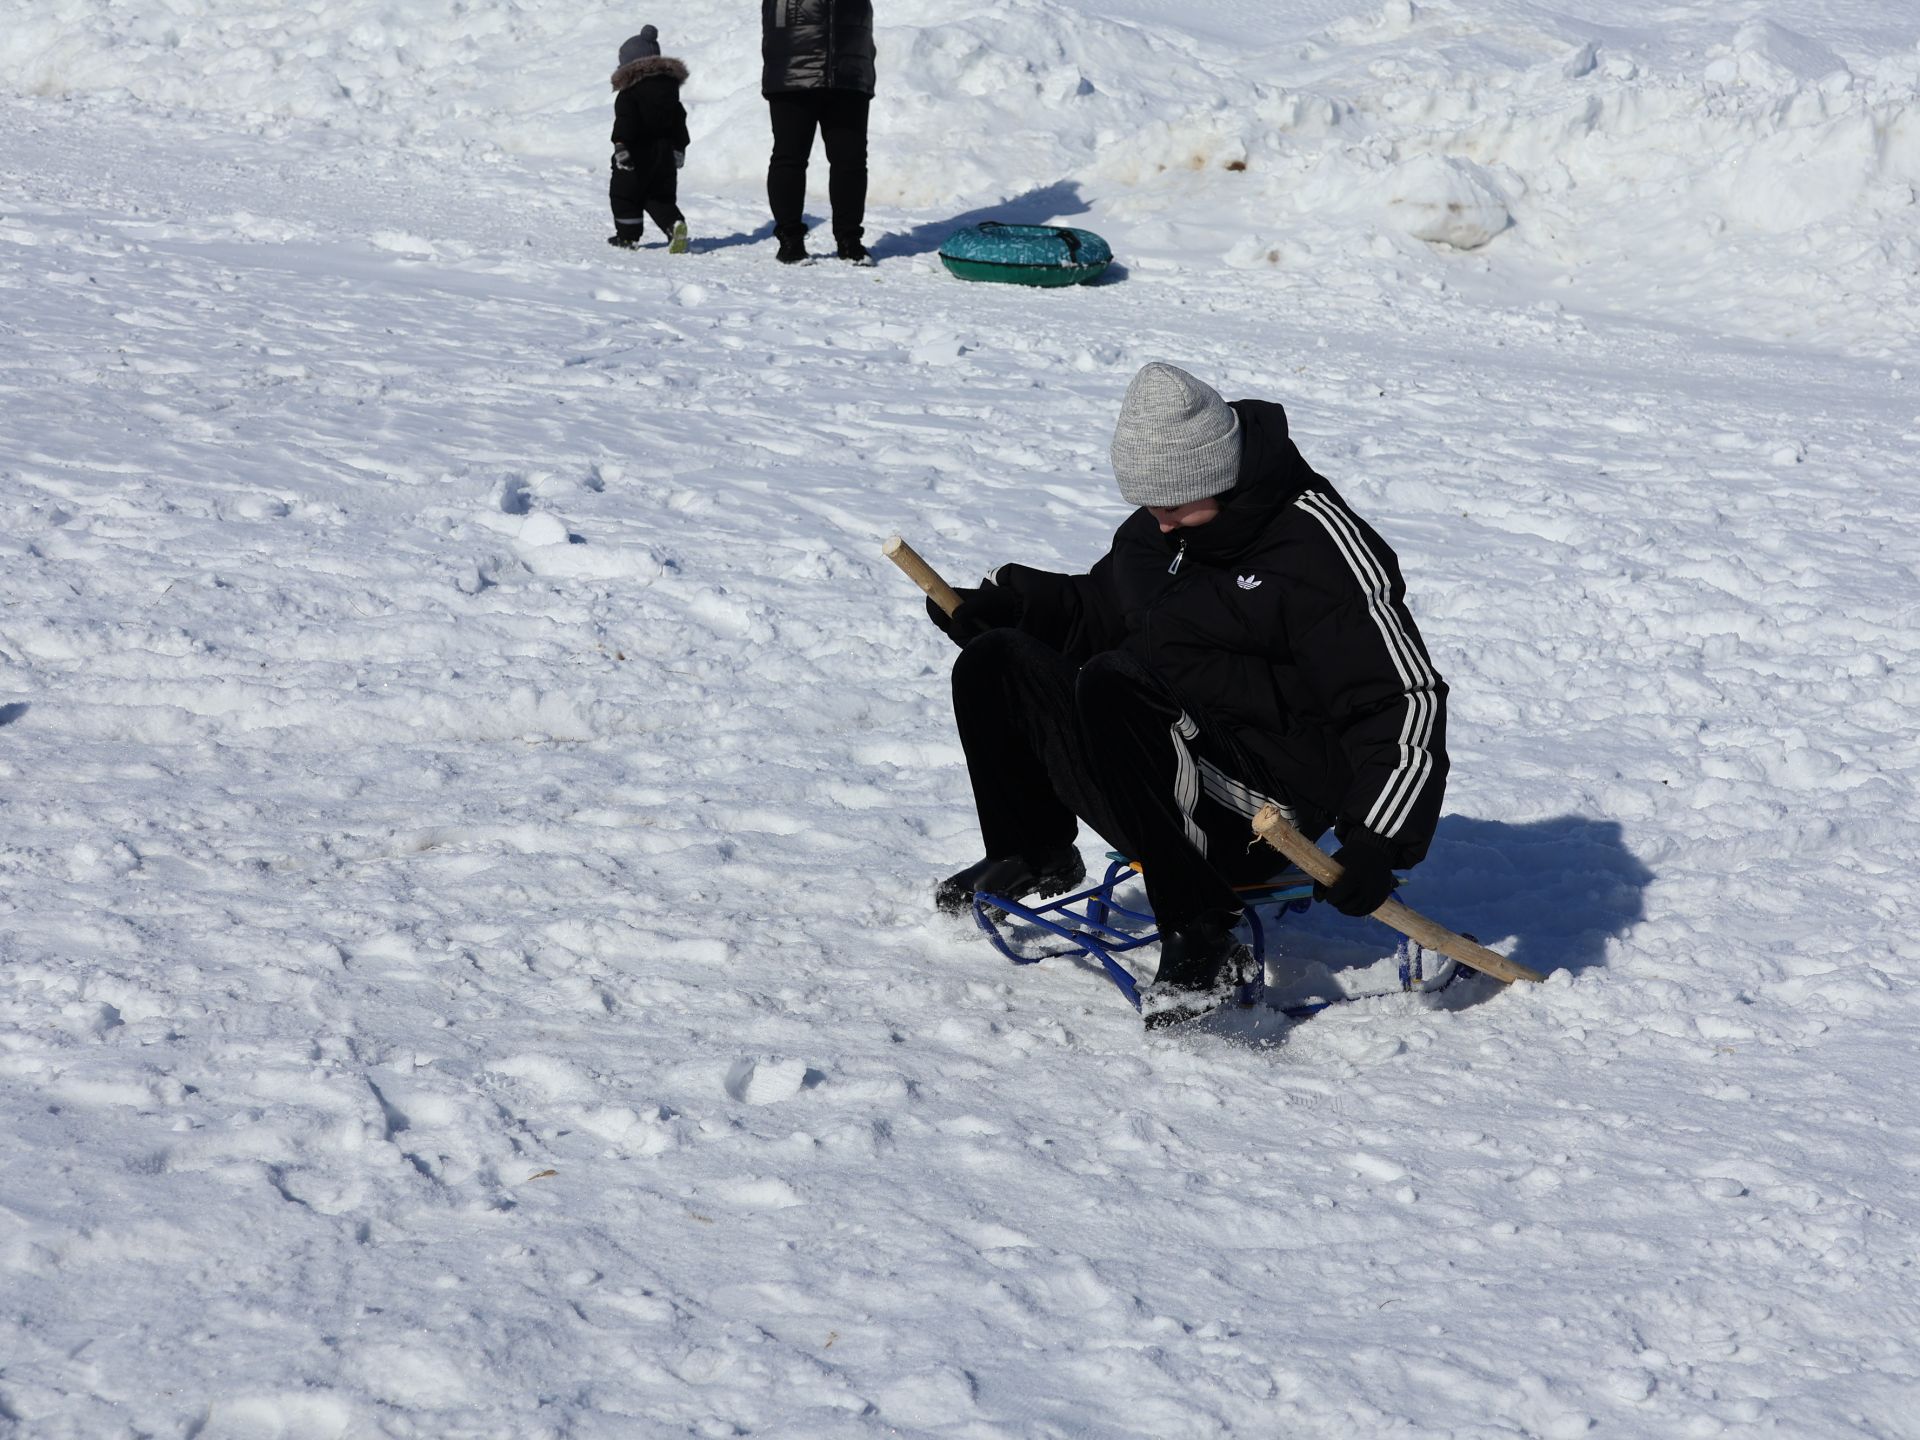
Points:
(1396, 799)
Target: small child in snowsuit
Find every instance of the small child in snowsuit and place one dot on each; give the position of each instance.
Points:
(649, 143)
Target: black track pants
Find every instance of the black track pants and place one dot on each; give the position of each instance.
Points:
(1110, 744)
(841, 118)
(649, 188)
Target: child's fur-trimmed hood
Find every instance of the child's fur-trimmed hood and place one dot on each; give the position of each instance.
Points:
(648, 66)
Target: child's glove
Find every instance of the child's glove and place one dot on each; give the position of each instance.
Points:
(679, 159)
(622, 160)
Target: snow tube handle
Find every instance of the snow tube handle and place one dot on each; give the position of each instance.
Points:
(1071, 240)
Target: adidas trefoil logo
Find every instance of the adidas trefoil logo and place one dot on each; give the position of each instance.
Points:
(1249, 582)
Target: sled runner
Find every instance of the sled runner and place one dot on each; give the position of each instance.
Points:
(1092, 922)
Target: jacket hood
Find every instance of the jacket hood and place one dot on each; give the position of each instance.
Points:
(648, 66)
(1272, 475)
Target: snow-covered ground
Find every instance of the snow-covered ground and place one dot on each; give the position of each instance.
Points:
(470, 787)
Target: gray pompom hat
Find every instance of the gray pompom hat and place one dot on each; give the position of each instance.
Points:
(1176, 441)
(642, 46)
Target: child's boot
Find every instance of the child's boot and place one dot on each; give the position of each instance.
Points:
(679, 244)
(625, 237)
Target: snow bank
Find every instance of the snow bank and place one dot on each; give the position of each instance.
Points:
(1448, 126)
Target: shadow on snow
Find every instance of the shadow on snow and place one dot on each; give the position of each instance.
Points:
(1044, 206)
(1562, 888)
(1550, 894)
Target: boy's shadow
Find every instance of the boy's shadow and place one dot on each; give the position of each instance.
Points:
(1562, 887)
(1549, 894)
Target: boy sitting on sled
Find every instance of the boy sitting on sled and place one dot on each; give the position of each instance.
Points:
(1245, 639)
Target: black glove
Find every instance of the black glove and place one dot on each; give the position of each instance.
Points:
(1366, 875)
(985, 607)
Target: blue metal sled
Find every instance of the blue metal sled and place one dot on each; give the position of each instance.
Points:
(1093, 923)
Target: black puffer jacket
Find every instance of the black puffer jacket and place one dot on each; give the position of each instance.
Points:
(646, 106)
(816, 45)
(1284, 620)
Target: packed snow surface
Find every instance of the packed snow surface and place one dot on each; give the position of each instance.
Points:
(471, 788)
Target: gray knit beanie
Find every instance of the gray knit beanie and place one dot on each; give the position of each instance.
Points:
(641, 46)
(1177, 441)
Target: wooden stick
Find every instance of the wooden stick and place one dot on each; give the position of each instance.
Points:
(1271, 826)
(921, 573)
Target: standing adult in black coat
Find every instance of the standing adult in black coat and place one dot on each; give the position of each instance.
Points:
(649, 142)
(1245, 641)
(817, 74)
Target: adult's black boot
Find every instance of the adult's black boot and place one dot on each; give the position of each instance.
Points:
(793, 248)
(1013, 877)
(1203, 967)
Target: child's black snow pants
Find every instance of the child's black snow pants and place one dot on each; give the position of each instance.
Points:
(1109, 743)
(648, 186)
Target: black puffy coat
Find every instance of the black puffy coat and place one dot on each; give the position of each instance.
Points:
(646, 104)
(1285, 621)
(816, 45)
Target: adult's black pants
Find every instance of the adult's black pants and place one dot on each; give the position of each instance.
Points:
(840, 117)
(1107, 742)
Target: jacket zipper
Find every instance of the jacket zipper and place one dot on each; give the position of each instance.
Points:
(1178, 556)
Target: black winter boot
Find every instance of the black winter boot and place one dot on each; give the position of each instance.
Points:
(793, 249)
(1012, 878)
(854, 253)
(1202, 968)
(625, 237)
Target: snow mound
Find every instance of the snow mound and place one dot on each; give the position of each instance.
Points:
(1006, 97)
(1448, 201)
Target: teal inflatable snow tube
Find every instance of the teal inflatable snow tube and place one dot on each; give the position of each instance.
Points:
(1025, 254)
